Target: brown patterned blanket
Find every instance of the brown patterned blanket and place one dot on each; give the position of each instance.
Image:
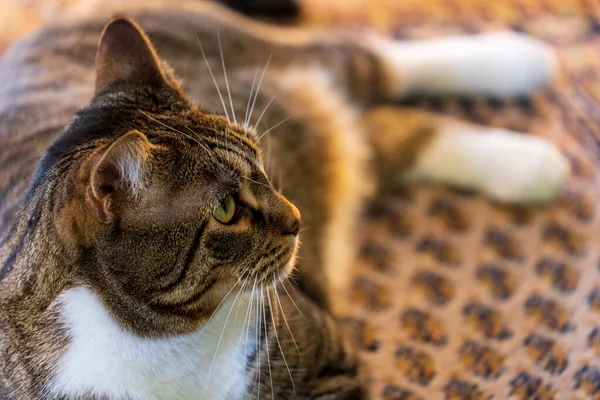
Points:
(458, 298)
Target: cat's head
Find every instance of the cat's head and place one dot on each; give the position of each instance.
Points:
(170, 205)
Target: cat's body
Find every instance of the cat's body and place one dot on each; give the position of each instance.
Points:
(86, 267)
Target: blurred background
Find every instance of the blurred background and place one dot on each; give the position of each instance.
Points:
(455, 297)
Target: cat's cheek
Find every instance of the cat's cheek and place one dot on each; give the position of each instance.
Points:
(229, 247)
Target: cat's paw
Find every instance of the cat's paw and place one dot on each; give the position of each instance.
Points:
(500, 64)
(507, 166)
(522, 169)
(511, 64)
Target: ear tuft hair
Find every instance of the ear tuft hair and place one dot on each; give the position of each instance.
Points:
(119, 172)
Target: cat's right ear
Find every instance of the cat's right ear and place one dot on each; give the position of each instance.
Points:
(118, 174)
(125, 55)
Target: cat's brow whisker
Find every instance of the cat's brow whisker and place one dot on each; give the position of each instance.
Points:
(226, 80)
(252, 180)
(286, 322)
(203, 145)
(273, 127)
(250, 98)
(258, 88)
(263, 112)
(277, 336)
(267, 162)
(279, 183)
(213, 77)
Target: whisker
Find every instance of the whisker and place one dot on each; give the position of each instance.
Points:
(213, 77)
(264, 314)
(252, 180)
(250, 98)
(290, 296)
(279, 184)
(263, 112)
(258, 88)
(247, 319)
(267, 162)
(249, 315)
(203, 145)
(221, 337)
(258, 342)
(225, 73)
(286, 323)
(240, 303)
(222, 301)
(258, 333)
(273, 127)
(277, 338)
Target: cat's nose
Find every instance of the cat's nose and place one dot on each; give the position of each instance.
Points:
(292, 226)
(288, 218)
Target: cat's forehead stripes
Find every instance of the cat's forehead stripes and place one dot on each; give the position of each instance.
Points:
(229, 142)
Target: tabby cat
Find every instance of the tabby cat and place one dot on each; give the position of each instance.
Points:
(146, 239)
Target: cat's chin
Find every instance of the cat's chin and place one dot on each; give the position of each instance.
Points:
(286, 271)
(280, 273)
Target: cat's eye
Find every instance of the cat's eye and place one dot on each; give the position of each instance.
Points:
(225, 211)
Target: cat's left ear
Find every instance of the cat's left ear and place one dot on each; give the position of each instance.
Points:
(125, 55)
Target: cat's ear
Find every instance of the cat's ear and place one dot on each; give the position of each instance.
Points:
(118, 173)
(126, 55)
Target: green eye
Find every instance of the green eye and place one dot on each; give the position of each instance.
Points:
(225, 211)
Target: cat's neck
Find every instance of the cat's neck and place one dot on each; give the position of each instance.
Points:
(104, 360)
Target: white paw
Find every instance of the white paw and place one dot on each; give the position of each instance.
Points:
(521, 169)
(496, 64)
(506, 166)
(510, 64)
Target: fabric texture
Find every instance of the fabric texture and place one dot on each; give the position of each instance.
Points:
(455, 297)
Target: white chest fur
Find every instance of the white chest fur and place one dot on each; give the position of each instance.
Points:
(107, 361)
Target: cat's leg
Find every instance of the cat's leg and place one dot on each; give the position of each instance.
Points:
(317, 348)
(497, 64)
(414, 145)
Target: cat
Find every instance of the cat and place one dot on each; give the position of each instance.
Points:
(148, 224)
